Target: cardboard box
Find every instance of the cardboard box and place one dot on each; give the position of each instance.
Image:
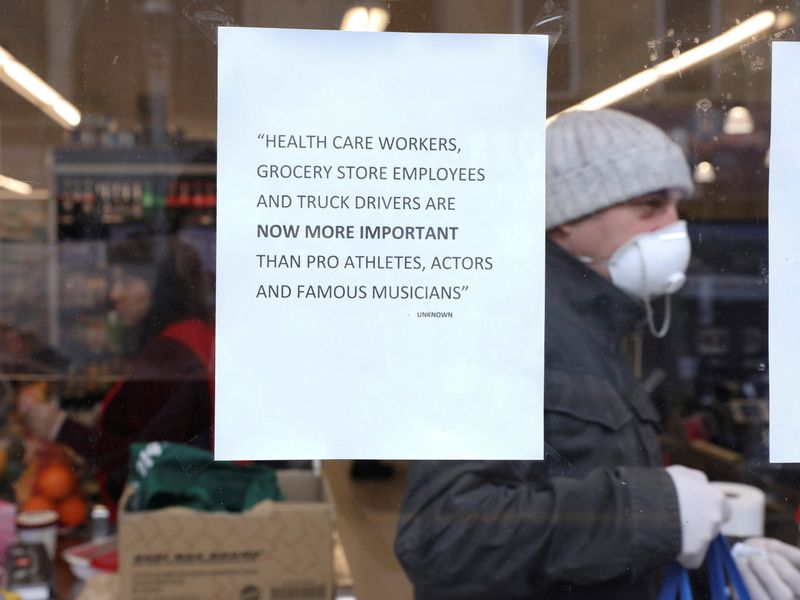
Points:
(276, 550)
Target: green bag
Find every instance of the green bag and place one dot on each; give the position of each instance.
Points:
(164, 474)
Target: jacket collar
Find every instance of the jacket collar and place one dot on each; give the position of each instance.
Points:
(603, 308)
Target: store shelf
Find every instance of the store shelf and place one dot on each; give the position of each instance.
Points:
(105, 194)
(27, 258)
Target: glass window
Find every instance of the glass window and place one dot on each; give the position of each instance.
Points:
(107, 292)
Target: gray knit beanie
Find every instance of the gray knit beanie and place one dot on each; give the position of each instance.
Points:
(599, 158)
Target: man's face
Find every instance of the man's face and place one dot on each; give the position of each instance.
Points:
(600, 234)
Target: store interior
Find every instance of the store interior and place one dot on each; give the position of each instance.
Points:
(142, 74)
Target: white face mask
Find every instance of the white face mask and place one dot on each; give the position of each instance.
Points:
(652, 264)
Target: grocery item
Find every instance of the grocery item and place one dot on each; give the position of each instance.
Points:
(38, 527)
(56, 481)
(72, 511)
(167, 474)
(38, 502)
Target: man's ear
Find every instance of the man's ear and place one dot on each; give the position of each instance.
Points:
(561, 233)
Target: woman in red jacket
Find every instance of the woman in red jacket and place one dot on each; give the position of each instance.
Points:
(159, 292)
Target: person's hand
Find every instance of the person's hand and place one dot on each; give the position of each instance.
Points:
(770, 568)
(43, 419)
(703, 510)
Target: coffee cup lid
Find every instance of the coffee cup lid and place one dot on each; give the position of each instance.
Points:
(37, 518)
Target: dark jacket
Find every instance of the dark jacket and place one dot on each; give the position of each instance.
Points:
(165, 397)
(595, 519)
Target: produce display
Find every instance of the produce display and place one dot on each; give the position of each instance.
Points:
(49, 478)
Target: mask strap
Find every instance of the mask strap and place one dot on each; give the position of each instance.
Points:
(660, 333)
(651, 324)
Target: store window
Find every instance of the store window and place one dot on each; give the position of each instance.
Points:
(108, 208)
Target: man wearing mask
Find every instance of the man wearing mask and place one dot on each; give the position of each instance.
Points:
(598, 518)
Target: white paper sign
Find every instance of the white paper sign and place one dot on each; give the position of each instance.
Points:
(784, 255)
(380, 254)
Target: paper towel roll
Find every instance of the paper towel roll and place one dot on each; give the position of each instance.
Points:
(747, 509)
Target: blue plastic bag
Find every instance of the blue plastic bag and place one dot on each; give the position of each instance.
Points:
(720, 567)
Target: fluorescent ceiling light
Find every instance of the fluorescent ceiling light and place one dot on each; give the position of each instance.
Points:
(31, 87)
(15, 185)
(704, 172)
(738, 121)
(363, 18)
(756, 24)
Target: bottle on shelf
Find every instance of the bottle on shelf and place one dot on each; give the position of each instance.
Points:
(88, 198)
(198, 194)
(66, 203)
(125, 201)
(184, 194)
(172, 197)
(147, 203)
(103, 193)
(210, 204)
(115, 203)
(136, 208)
(211, 194)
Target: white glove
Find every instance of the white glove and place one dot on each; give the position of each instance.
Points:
(703, 510)
(770, 568)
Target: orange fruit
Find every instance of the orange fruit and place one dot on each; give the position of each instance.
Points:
(38, 502)
(71, 511)
(55, 482)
